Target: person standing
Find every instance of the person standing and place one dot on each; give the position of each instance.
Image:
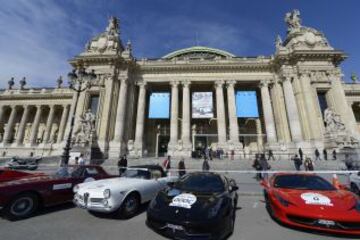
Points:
(297, 162)
(256, 165)
(334, 154)
(76, 160)
(308, 164)
(301, 154)
(181, 167)
(167, 164)
(205, 166)
(317, 154)
(264, 166)
(122, 165)
(232, 154)
(81, 160)
(271, 155)
(325, 154)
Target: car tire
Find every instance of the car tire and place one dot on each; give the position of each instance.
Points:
(354, 188)
(22, 206)
(130, 206)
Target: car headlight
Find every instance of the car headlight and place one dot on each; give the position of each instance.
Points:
(215, 209)
(76, 188)
(283, 202)
(107, 193)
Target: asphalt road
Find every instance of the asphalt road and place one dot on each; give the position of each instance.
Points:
(67, 222)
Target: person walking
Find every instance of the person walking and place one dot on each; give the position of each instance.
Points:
(264, 166)
(301, 154)
(297, 162)
(181, 167)
(205, 166)
(122, 164)
(334, 154)
(317, 154)
(232, 154)
(167, 164)
(271, 155)
(308, 164)
(325, 154)
(256, 165)
(81, 160)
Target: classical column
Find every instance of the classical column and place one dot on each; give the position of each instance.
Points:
(185, 134)
(64, 117)
(140, 116)
(292, 111)
(10, 125)
(233, 120)
(35, 125)
(49, 123)
(220, 113)
(174, 114)
(120, 112)
(259, 135)
(268, 112)
(22, 126)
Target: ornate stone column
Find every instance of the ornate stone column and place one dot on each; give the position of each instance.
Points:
(10, 125)
(299, 98)
(35, 125)
(268, 112)
(140, 117)
(174, 116)
(49, 124)
(64, 117)
(186, 119)
(292, 111)
(22, 126)
(120, 112)
(233, 120)
(259, 135)
(220, 113)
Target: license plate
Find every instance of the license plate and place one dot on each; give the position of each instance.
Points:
(174, 227)
(326, 222)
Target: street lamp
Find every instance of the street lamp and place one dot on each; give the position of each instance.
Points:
(79, 81)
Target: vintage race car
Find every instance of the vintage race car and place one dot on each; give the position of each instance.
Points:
(7, 174)
(199, 206)
(20, 198)
(355, 183)
(122, 195)
(309, 201)
(23, 163)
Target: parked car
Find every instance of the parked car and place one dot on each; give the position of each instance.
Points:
(122, 195)
(200, 205)
(22, 197)
(355, 183)
(7, 174)
(23, 163)
(309, 201)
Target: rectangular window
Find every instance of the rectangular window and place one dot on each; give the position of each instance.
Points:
(322, 101)
(94, 102)
(202, 105)
(159, 105)
(246, 104)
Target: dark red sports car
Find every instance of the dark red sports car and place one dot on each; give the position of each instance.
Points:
(309, 201)
(21, 197)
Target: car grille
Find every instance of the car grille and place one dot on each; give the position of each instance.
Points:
(96, 200)
(314, 222)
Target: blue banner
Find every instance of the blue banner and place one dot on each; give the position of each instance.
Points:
(246, 104)
(159, 105)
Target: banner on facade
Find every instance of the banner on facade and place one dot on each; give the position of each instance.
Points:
(159, 105)
(202, 105)
(246, 104)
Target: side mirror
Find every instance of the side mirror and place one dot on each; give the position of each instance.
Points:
(233, 188)
(264, 183)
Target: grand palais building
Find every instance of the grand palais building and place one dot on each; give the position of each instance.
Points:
(192, 98)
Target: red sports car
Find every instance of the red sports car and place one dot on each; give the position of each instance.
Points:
(309, 201)
(20, 198)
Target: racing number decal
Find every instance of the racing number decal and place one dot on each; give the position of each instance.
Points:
(184, 200)
(316, 199)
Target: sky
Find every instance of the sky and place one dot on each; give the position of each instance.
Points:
(38, 37)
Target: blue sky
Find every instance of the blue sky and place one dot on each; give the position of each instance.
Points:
(39, 36)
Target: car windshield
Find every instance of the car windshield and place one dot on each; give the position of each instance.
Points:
(137, 173)
(303, 182)
(201, 183)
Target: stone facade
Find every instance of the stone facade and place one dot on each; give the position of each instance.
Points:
(294, 86)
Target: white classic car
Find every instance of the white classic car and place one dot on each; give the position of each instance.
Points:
(355, 183)
(125, 194)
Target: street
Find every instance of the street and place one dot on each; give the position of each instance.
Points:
(67, 222)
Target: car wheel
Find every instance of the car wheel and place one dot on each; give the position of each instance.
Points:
(130, 205)
(22, 206)
(355, 189)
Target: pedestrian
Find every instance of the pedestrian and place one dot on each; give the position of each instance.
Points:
(256, 165)
(167, 164)
(211, 153)
(317, 154)
(349, 163)
(271, 155)
(301, 154)
(308, 164)
(205, 166)
(122, 164)
(325, 154)
(232, 154)
(297, 162)
(264, 166)
(76, 160)
(181, 167)
(334, 154)
(81, 160)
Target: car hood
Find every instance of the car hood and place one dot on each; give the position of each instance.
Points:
(196, 207)
(337, 200)
(111, 183)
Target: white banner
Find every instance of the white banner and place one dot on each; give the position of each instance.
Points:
(202, 105)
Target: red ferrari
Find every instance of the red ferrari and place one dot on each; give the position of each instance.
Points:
(21, 197)
(309, 201)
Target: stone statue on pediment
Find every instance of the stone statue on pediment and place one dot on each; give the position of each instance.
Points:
(293, 20)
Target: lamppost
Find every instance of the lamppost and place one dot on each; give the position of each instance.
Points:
(79, 81)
